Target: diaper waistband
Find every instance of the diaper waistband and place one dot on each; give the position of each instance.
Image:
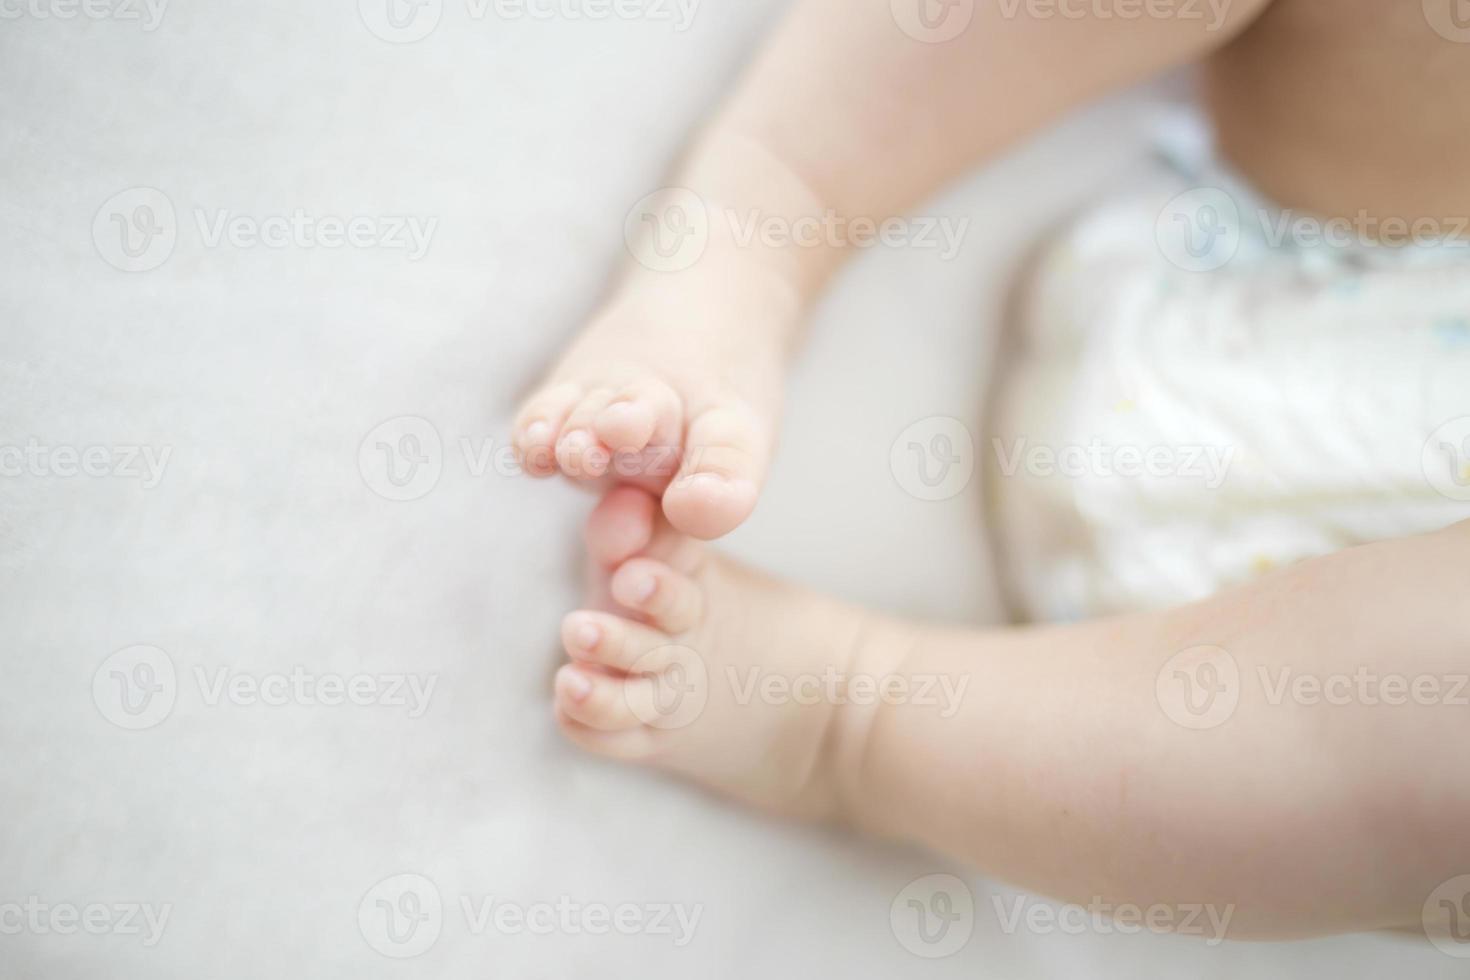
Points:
(1184, 142)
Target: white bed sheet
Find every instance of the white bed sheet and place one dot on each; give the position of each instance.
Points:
(263, 548)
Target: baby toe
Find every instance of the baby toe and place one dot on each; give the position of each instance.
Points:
(644, 412)
(670, 600)
(630, 746)
(539, 424)
(614, 642)
(579, 453)
(596, 699)
(621, 525)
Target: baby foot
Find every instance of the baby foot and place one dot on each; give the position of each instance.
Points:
(711, 671)
(686, 411)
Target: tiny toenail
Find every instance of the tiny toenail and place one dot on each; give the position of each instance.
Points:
(538, 432)
(704, 480)
(577, 685)
(575, 438)
(588, 636)
(644, 587)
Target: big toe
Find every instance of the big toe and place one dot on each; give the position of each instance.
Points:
(708, 505)
(724, 465)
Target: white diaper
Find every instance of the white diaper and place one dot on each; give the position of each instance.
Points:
(1197, 391)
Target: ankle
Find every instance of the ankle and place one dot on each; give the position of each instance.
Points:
(879, 660)
(746, 207)
(764, 204)
(729, 290)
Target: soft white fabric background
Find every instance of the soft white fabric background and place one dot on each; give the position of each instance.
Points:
(263, 549)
